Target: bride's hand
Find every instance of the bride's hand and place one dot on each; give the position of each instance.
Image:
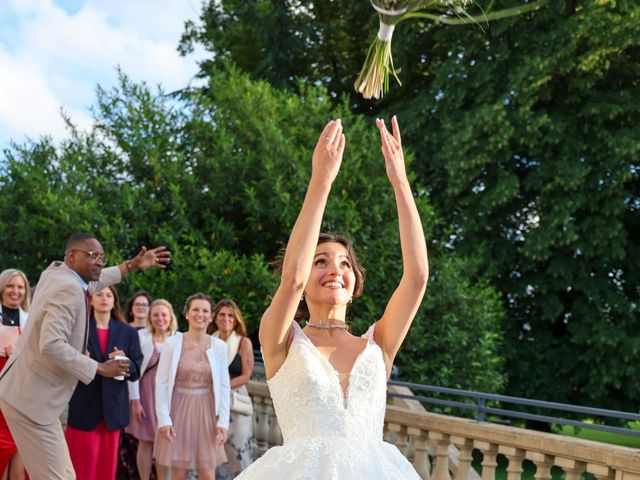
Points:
(327, 155)
(392, 151)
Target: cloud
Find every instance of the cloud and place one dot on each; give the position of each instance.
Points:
(52, 58)
(28, 106)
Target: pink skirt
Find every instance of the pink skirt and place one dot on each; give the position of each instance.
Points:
(145, 430)
(195, 444)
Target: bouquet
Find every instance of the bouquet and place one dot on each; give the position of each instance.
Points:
(373, 79)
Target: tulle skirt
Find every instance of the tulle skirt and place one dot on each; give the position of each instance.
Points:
(320, 458)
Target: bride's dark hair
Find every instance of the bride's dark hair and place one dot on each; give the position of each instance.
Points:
(302, 313)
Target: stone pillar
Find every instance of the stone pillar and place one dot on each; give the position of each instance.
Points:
(441, 463)
(465, 447)
(489, 463)
(421, 458)
(515, 457)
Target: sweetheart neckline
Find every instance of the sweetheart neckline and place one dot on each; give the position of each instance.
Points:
(344, 395)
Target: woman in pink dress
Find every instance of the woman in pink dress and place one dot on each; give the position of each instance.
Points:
(136, 313)
(142, 397)
(192, 398)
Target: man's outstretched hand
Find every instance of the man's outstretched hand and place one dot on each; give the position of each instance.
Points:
(158, 257)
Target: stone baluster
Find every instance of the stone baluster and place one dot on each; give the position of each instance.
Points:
(262, 428)
(410, 451)
(624, 474)
(515, 457)
(601, 472)
(465, 447)
(401, 440)
(489, 463)
(389, 436)
(543, 465)
(572, 468)
(274, 436)
(441, 462)
(421, 456)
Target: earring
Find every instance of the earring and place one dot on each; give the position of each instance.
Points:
(302, 298)
(350, 300)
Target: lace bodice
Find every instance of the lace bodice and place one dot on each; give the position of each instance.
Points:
(309, 400)
(194, 370)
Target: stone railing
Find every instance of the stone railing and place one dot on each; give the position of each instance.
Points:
(440, 446)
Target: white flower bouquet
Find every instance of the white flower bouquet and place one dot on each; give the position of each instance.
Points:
(373, 79)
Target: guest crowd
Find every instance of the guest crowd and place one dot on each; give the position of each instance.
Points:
(183, 404)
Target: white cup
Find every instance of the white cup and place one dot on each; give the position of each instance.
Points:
(119, 357)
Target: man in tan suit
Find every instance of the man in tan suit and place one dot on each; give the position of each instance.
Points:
(49, 358)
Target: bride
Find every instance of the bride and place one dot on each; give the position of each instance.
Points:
(328, 386)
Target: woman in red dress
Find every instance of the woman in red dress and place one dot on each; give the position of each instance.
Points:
(99, 410)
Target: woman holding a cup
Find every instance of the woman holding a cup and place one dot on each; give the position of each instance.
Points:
(99, 410)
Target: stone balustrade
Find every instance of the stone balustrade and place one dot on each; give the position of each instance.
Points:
(440, 446)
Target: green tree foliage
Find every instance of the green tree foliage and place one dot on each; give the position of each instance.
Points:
(527, 137)
(218, 175)
(533, 148)
(285, 42)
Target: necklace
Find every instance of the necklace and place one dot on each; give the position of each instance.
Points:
(328, 326)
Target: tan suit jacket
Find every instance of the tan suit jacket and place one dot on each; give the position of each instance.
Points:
(48, 361)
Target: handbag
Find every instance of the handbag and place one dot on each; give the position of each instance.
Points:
(241, 403)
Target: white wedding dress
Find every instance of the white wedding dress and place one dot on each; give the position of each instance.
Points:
(328, 435)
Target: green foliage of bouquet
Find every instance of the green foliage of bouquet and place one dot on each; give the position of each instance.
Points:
(373, 79)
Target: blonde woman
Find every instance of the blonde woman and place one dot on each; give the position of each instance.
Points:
(229, 325)
(14, 307)
(162, 324)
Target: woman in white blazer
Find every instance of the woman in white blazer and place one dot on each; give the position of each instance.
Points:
(162, 324)
(15, 299)
(192, 398)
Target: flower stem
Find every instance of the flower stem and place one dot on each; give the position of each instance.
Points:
(373, 79)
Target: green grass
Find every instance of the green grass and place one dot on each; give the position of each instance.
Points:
(604, 437)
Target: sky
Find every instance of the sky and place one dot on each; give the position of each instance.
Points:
(53, 54)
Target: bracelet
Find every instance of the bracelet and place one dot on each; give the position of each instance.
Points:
(127, 264)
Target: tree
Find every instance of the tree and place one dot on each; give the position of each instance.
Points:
(534, 155)
(221, 185)
(286, 43)
(526, 138)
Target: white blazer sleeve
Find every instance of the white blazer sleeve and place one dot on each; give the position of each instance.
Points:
(134, 390)
(163, 377)
(134, 387)
(225, 387)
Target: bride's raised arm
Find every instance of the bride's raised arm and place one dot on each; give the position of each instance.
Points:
(276, 322)
(392, 328)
